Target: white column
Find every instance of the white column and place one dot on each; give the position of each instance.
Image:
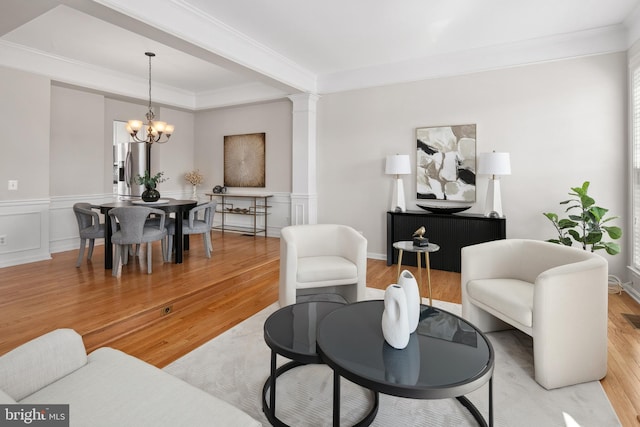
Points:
(304, 197)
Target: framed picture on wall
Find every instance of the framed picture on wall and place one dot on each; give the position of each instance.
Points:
(446, 163)
(244, 160)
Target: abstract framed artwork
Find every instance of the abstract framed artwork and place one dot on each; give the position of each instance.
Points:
(244, 160)
(446, 163)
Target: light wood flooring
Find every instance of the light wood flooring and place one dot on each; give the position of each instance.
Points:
(162, 316)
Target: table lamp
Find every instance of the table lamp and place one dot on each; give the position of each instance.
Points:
(494, 164)
(398, 164)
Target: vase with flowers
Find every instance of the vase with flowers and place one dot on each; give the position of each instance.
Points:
(150, 194)
(194, 178)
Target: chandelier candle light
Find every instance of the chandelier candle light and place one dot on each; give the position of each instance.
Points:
(155, 129)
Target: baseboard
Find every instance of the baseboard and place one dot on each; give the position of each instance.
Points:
(17, 258)
(631, 291)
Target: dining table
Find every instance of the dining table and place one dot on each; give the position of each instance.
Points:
(180, 208)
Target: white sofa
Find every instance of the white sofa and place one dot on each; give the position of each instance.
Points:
(556, 294)
(322, 258)
(107, 387)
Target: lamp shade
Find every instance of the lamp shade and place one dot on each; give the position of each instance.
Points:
(494, 164)
(398, 164)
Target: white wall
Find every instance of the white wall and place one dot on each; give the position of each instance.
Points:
(77, 143)
(24, 115)
(563, 122)
(176, 157)
(273, 118)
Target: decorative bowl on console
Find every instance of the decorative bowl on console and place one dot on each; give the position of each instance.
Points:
(444, 207)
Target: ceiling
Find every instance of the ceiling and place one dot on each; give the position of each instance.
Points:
(213, 53)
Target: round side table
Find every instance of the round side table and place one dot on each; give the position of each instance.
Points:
(408, 246)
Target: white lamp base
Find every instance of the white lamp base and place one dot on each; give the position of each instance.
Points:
(493, 204)
(397, 201)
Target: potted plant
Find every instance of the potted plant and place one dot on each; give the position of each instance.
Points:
(586, 223)
(150, 183)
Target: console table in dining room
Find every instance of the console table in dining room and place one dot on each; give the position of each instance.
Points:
(258, 208)
(451, 231)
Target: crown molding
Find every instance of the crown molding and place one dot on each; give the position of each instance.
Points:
(89, 76)
(124, 86)
(585, 43)
(277, 77)
(204, 31)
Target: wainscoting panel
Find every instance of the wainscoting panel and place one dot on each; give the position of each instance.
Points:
(33, 229)
(64, 228)
(24, 228)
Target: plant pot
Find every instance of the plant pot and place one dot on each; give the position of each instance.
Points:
(150, 195)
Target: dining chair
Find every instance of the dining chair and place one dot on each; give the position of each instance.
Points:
(89, 228)
(131, 226)
(194, 225)
(152, 221)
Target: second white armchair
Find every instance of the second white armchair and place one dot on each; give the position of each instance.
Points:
(553, 293)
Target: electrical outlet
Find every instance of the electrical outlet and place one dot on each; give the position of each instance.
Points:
(3, 240)
(13, 184)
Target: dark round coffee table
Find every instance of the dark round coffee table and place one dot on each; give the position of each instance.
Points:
(291, 332)
(446, 357)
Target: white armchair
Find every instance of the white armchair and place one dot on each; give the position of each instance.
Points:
(322, 258)
(556, 294)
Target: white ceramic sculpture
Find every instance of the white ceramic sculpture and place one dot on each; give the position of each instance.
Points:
(409, 285)
(395, 322)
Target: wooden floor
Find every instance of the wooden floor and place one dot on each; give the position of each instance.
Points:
(162, 316)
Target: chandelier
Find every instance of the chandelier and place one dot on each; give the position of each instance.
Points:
(155, 130)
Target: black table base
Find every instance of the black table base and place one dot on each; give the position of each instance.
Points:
(181, 209)
(269, 409)
(475, 412)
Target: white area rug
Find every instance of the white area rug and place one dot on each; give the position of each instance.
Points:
(235, 365)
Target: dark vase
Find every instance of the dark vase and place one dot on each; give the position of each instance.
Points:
(150, 195)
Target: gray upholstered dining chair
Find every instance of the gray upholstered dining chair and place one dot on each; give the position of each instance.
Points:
(193, 225)
(132, 228)
(89, 227)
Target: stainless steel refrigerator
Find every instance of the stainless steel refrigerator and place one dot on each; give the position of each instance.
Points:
(129, 160)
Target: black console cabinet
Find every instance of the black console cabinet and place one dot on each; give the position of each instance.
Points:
(451, 232)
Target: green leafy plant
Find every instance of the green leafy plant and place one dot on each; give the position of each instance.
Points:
(585, 225)
(150, 181)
